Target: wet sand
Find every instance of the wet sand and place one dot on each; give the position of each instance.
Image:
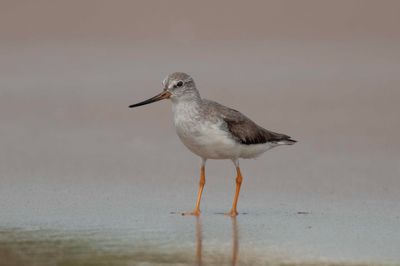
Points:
(85, 180)
(284, 235)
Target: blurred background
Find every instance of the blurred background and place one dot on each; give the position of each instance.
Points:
(72, 153)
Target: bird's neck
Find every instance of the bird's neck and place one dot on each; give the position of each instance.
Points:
(189, 98)
(187, 105)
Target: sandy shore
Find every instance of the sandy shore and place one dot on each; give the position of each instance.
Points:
(86, 180)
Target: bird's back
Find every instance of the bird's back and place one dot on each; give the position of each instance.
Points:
(242, 128)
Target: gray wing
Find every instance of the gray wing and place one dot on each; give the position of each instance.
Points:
(242, 128)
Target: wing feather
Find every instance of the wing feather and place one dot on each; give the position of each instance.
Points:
(242, 128)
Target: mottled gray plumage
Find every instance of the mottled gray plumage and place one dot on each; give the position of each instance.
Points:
(180, 87)
(180, 76)
(242, 128)
(213, 131)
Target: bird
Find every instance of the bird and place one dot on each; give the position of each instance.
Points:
(213, 131)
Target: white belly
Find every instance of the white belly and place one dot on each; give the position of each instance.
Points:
(209, 140)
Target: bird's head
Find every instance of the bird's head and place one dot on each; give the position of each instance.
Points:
(177, 86)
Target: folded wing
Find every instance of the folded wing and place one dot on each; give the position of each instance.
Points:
(243, 129)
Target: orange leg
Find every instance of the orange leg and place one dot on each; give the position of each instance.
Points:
(239, 179)
(202, 182)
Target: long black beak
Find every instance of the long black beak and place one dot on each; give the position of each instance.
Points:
(161, 96)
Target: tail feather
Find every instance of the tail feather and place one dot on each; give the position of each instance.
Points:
(287, 141)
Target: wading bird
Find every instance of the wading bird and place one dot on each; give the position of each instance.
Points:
(213, 131)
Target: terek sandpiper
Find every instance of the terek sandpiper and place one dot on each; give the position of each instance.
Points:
(213, 131)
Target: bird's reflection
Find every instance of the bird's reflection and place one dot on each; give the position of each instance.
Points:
(235, 241)
(199, 242)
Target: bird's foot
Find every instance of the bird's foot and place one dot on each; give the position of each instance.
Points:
(232, 213)
(195, 212)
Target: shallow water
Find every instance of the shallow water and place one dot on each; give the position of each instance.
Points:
(87, 181)
(287, 238)
(272, 233)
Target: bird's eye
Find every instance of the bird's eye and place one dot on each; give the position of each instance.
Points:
(179, 84)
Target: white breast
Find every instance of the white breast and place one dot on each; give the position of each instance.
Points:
(203, 137)
(207, 137)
